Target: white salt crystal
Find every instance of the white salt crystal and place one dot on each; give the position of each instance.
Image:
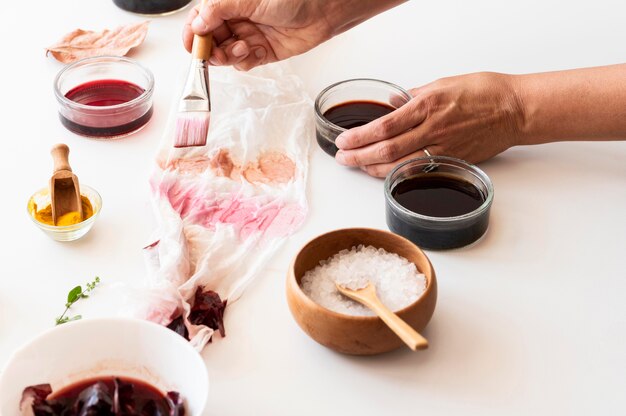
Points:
(397, 281)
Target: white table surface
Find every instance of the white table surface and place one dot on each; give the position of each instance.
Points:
(532, 320)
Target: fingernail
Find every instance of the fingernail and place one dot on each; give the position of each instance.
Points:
(198, 25)
(239, 49)
(259, 53)
(215, 61)
(340, 157)
(341, 140)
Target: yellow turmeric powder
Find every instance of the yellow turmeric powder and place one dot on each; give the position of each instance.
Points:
(45, 215)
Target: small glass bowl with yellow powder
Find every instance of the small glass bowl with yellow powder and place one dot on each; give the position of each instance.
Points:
(69, 227)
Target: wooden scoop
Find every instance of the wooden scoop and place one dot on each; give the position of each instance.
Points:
(367, 296)
(64, 189)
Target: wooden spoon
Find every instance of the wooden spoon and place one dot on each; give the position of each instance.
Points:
(64, 189)
(367, 296)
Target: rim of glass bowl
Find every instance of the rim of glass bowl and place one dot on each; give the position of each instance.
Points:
(61, 228)
(318, 111)
(438, 160)
(104, 58)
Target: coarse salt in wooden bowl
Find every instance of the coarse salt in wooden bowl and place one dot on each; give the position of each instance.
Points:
(357, 335)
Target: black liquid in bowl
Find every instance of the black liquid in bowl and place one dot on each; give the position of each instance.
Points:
(438, 203)
(353, 103)
(151, 6)
(349, 115)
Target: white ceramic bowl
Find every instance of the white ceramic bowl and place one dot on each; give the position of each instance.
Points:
(111, 346)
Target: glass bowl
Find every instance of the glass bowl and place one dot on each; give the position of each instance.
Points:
(67, 232)
(359, 89)
(111, 96)
(438, 233)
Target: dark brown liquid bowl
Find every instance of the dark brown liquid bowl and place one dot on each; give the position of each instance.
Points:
(152, 7)
(357, 335)
(439, 232)
(368, 98)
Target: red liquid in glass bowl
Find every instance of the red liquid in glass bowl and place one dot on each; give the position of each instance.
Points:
(106, 93)
(104, 97)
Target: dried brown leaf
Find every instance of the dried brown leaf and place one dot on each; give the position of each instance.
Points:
(81, 44)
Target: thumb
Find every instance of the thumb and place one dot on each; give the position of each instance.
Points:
(213, 13)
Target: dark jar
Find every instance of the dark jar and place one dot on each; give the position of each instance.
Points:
(438, 233)
(356, 90)
(152, 7)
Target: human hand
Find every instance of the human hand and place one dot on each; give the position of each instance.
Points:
(471, 117)
(248, 33)
(251, 33)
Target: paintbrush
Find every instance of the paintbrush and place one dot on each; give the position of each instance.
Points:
(194, 111)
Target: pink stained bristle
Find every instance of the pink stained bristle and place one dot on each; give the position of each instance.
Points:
(192, 129)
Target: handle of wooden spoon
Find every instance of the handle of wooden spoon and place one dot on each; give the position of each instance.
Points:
(60, 156)
(411, 337)
(202, 45)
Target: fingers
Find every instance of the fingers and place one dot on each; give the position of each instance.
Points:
(227, 18)
(384, 151)
(240, 54)
(390, 125)
(214, 13)
(228, 51)
(220, 34)
(187, 32)
(381, 170)
(187, 38)
(258, 46)
(255, 58)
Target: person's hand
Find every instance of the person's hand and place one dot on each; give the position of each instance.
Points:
(250, 33)
(471, 117)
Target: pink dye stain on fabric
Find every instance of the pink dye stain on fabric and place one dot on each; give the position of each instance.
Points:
(249, 215)
(269, 167)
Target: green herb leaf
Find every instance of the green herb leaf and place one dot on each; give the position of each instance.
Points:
(74, 294)
(72, 297)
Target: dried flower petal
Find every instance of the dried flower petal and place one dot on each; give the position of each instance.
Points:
(33, 396)
(121, 397)
(81, 44)
(207, 309)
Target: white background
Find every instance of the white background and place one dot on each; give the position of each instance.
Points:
(532, 320)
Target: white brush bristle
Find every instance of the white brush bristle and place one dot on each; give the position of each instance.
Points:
(192, 129)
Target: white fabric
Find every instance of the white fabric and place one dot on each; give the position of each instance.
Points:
(265, 110)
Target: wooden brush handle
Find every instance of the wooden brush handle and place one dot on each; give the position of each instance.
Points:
(60, 154)
(202, 45)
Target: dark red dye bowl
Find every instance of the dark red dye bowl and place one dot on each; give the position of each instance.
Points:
(104, 97)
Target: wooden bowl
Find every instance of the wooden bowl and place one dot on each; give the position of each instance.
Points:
(356, 335)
